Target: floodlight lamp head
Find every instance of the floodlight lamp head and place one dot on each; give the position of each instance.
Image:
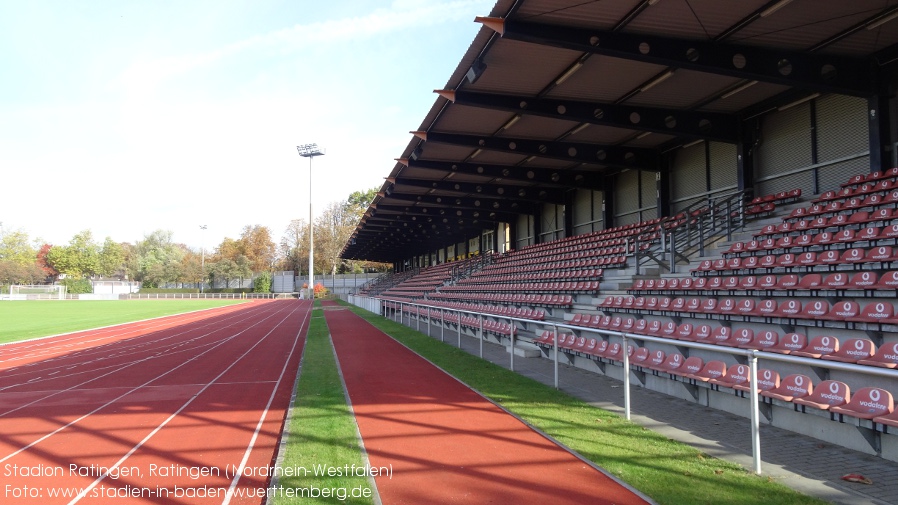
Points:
(309, 150)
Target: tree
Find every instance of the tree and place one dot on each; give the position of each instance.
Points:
(294, 246)
(262, 283)
(242, 269)
(43, 263)
(332, 229)
(15, 247)
(79, 259)
(112, 258)
(255, 243)
(158, 259)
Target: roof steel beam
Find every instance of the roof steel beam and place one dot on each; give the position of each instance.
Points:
(613, 156)
(494, 190)
(482, 204)
(420, 210)
(819, 72)
(571, 178)
(697, 125)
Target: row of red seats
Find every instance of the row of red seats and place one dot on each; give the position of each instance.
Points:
(787, 284)
(559, 261)
(861, 351)
(871, 177)
(554, 288)
(576, 264)
(781, 197)
(556, 275)
(868, 195)
(747, 309)
(871, 403)
(875, 258)
(874, 235)
(498, 310)
(857, 219)
(466, 321)
(536, 300)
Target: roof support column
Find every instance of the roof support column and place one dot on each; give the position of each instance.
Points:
(569, 197)
(512, 235)
(663, 177)
(745, 160)
(879, 116)
(608, 205)
(537, 225)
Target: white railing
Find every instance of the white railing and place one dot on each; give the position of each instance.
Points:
(377, 306)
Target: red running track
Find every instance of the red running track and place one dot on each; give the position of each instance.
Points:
(182, 409)
(445, 442)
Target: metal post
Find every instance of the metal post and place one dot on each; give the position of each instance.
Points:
(442, 325)
(512, 344)
(428, 322)
(459, 326)
(626, 376)
(701, 237)
(755, 415)
(636, 252)
(555, 347)
(729, 221)
(417, 317)
(480, 336)
(673, 254)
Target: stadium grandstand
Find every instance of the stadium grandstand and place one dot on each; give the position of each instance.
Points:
(678, 191)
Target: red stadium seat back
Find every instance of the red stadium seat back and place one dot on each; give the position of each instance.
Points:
(818, 346)
(708, 306)
(807, 258)
(788, 281)
(791, 342)
(639, 303)
(651, 303)
(789, 308)
(768, 261)
(810, 281)
(882, 253)
(863, 280)
(743, 336)
(691, 365)
(867, 403)
(673, 362)
(613, 349)
(714, 283)
(877, 312)
(885, 357)
(711, 370)
(731, 283)
(852, 350)
(657, 359)
(766, 339)
(722, 335)
(868, 233)
(748, 283)
(640, 326)
(845, 310)
(803, 241)
(727, 306)
(787, 260)
(639, 285)
(830, 257)
(890, 231)
(845, 235)
(616, 322)
(767, 281)
(889, 280)
(737, 247)
(736, 375)
(768, 379)
(827, 394)
(852, 256)
(640, 355)
(700, 284)
(686, 283)
(838, 280)
(654, 328)
(857, 217)
(767, 307)
(677, 304)
(815, 309)
(791, 387)
(601, 347)
(669, 329)
(577, 320)
(684, 331)
(838, 220)
(694, 305)
(702, 332)
(746, 306)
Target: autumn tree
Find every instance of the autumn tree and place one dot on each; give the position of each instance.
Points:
(79, 259)
(256, 245)
(158, 259)
(294, 246)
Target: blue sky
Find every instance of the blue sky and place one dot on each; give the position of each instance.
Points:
(124, 117)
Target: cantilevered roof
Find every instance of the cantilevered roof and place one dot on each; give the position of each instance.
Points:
(554, 95)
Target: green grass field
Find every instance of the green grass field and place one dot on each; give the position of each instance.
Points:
(28, 319)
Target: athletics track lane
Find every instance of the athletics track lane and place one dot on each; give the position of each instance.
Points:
(445, 442)
(209, 395)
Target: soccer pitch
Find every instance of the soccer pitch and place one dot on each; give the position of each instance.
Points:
(22, 320)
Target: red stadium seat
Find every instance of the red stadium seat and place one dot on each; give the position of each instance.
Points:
(810, 282)
(726, 307)
(669, 330)
(692, 365)
(863, 280)
(656, 359)
(877, 254)
(767, 282)
(885, 357)
(735, 375)
(746, 306)
(867, 403)
(838, 280)
(763, 340)
(852, 350)
(789, 309)
(826, 395)
(852, 256)
(768, 380)
(742, 336)
(791, 342)
(766, 308)
(803, 241)
(819, 345)
(701, 333)
(712, 370)
(817, 309)
(591, 346)
(876, 312)
(722, 335)
(808, 258)
(641, 326)
(788, 281)
(639, 357)
(845, 310)
(790, 388)
(684, 331)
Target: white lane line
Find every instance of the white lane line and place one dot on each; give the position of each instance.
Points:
(252, 441)
(110, 402)
(140, 444)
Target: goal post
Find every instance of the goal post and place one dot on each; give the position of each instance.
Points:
(37, 292)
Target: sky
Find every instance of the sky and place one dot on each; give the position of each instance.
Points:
(126, 117)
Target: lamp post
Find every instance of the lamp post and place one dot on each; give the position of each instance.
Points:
(203, 257)
(310, 151)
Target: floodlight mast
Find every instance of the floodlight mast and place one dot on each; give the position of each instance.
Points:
(310, 151)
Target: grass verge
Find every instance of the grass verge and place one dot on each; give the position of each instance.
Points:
(668, 471)
(322, 431)
(29, 319)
